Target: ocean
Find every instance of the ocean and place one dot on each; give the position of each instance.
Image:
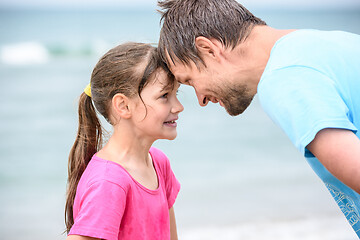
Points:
(241, 177)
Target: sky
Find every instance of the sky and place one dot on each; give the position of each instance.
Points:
(303, 4)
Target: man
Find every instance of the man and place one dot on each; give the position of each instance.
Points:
(308, 82)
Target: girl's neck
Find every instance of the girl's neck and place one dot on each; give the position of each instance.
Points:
(125, 148)
(132, 153)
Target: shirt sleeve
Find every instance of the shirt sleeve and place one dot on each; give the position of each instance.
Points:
(172, 185)
(303, 101)
(101, 210)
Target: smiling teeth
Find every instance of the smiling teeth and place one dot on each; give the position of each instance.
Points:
(170, 122)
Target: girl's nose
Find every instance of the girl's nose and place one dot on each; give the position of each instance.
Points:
(178, 107)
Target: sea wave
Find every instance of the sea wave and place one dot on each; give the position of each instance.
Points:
(29, 53)
(24, 53)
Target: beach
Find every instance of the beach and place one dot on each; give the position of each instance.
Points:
(241, 178)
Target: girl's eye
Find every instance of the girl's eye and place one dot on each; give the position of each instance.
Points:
(165, 95)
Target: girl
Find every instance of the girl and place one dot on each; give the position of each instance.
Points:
(125, 190)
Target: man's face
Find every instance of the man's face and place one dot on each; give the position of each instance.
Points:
(216, 83)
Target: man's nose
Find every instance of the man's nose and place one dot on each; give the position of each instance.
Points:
(203, 100)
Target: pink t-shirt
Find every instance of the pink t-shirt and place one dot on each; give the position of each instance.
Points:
(110, 204)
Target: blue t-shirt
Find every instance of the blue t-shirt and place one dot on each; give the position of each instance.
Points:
(312, 82)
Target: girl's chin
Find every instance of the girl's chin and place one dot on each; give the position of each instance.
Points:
(170, 137)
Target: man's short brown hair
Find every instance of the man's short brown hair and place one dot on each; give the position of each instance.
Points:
(185, 20)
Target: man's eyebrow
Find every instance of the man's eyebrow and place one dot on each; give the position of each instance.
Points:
(177, 85)
(180, 80)
(177, 78)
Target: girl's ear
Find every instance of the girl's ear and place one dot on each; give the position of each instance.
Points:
(120, 105)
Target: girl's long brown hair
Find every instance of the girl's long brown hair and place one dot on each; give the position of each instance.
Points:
(87, 143)
(124, 69)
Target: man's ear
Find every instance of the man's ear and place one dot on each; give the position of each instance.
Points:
(120, 104)
(207, 47)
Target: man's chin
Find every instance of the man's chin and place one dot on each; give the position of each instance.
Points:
(236, 109)
(233, 113)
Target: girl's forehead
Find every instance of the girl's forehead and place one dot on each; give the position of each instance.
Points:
(163, 81)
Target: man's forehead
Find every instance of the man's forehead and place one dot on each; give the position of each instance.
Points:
(179, 72)
(175, 63)
(179, 66)
(178, 69)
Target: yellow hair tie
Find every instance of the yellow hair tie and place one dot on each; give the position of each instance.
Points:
(87, 90)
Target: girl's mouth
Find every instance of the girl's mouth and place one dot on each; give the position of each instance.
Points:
(171, 123)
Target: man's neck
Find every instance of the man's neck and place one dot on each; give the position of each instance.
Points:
(254, 52)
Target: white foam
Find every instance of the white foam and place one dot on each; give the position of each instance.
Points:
(24, 53)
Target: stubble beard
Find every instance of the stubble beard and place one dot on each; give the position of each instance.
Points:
(235, 99)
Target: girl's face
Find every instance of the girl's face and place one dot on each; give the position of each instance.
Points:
(156, 116)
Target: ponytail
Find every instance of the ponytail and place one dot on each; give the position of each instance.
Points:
(88, 141)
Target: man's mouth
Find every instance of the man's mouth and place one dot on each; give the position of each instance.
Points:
(211, 99)
(215, 100)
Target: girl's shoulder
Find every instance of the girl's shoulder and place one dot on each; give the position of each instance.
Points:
(101, 170)
(158, 156)
(161, 160)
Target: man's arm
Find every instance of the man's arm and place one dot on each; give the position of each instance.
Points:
(339, 151)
